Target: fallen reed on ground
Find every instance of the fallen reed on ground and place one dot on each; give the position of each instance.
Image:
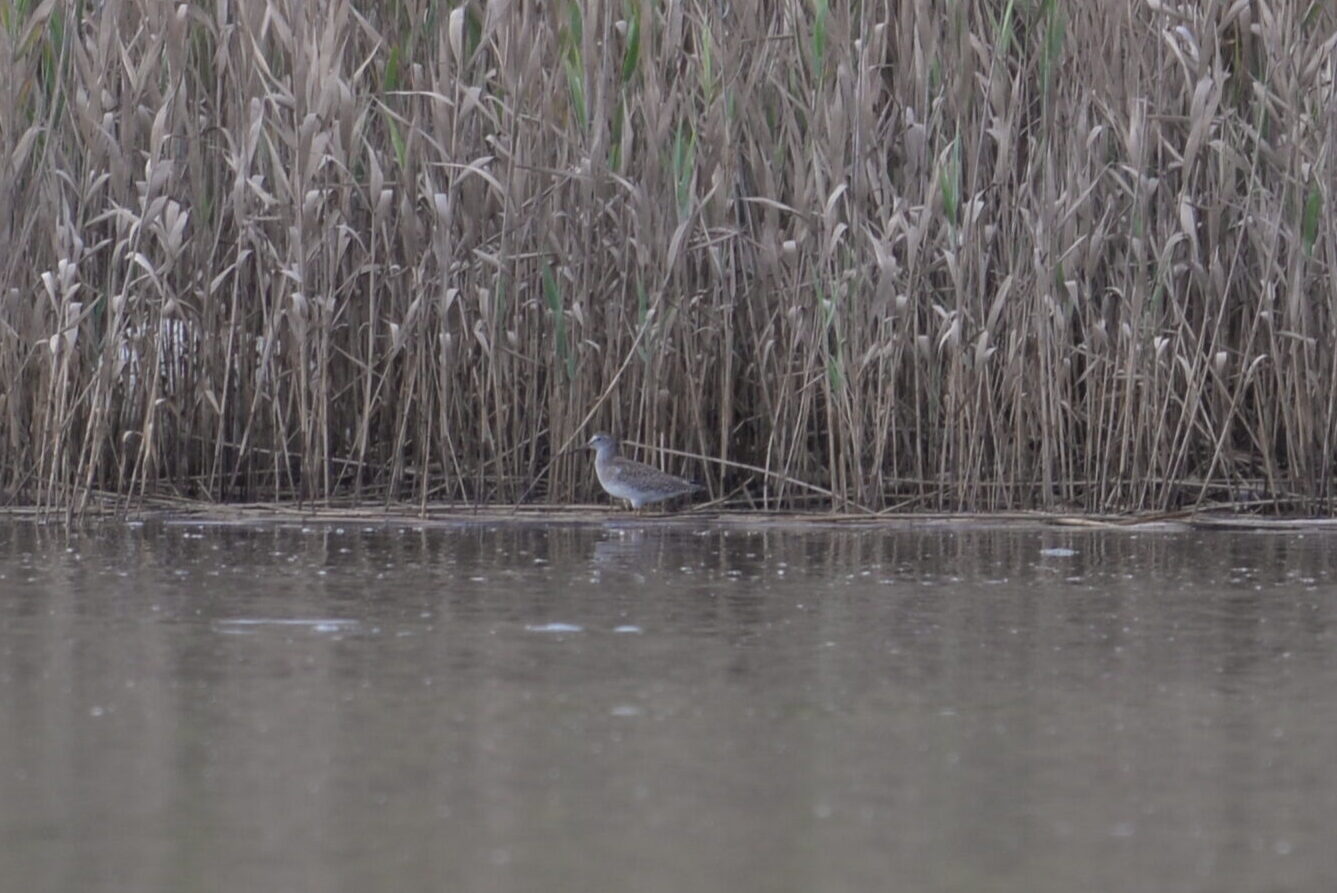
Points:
(943, 255)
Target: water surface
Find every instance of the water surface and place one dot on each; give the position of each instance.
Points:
(665, 708)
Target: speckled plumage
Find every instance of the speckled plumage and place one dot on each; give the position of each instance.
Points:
(633, 481)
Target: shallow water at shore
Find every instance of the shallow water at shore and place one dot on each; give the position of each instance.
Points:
(665, 707)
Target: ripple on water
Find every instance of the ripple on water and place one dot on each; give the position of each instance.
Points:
(247, 625)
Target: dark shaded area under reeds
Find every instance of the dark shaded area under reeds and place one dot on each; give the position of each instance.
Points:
(967, 256)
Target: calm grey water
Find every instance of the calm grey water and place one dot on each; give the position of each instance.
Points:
(187, 707)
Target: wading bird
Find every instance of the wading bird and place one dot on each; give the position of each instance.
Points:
(633, 481)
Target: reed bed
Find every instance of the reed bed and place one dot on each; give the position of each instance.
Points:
(960, 255)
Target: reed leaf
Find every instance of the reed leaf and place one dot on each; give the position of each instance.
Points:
(552, 290)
